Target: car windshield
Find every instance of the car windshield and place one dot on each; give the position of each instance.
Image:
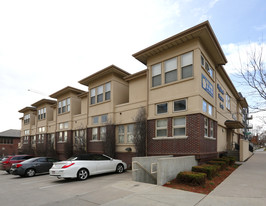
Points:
(72, 158)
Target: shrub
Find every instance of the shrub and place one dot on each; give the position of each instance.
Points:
(224, 159)
(209, 170)
(192, 178)
(222, 164)
(232, 160)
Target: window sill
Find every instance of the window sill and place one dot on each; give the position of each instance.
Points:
(168, 84)
(211, 138)
(62, 142)
(170, 138)
(125, 144)
(96, 140)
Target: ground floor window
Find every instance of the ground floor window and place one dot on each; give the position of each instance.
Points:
(161, 128)
(206, 127)
(179, 126)
(103, 133)
(211, 129)
(94, 133)
(62, 136)
(126, 134)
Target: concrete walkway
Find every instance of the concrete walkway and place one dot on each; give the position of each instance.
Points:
(245, 186)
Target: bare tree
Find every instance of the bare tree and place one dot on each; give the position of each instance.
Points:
(80, 141)
(140, 132)
(253, 72)
(109, 141)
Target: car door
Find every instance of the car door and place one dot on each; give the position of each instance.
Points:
(104, 164)
(40, 165)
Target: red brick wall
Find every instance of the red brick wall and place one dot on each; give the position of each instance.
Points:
(195, 144)
(10, 149)
(94, 147)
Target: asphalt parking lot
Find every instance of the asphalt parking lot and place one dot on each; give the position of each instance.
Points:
(46, 190)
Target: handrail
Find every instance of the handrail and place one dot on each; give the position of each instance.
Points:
(152, 171)
(133, 169)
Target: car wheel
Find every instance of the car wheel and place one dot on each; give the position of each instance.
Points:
(8, 171)
(30, 172)
(83, 174)
(120, 168)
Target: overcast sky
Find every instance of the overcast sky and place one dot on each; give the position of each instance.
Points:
(48, 45)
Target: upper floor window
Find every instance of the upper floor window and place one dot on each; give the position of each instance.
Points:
(27, 119)
(170, 69)
(228, 101)
(92, 96)
(104, 118)
(156, 75)
(102, 92)
(187, 65)
(206, 66)
(180, 105)
(95, 120)
(63, 125)
(41, 113)
(204, 106)
(99, 94)
(64, 106)
(107, 91)
(207, 108)
(27, 132)
(41, 129)
(162, 108)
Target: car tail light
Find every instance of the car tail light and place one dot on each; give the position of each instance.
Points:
(66, 166)
(5, 162)
(18, 165)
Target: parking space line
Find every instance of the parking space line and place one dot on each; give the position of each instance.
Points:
(41, 188)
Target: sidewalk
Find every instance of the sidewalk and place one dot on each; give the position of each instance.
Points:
(245, 186)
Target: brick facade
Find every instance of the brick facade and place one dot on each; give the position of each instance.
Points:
(194, 144)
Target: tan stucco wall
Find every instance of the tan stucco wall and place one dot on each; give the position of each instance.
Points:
(244, 152)
(221, 139)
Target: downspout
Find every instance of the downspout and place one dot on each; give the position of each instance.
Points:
(147, 111)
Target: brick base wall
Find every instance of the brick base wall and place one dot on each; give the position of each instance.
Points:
(194, 144)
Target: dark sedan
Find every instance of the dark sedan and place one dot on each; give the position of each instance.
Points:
(33, 166)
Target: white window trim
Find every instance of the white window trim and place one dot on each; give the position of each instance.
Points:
(177, 101)
(164, 112)
(179, 126)
(160, 128)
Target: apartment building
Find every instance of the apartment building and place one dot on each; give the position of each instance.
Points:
(192, 106)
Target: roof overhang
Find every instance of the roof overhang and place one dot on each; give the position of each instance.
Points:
(202, 31)
(27, 109)
(43, 101)
(108, 70)
(66, 90)
(136, 75)
(232, 124)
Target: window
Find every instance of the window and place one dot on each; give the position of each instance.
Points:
(92, 96)
(130, 135)
(95, 120)
(161, 128)
(179, 126)
(64, 106)
(204, 106)
(40, 138)
(107, 91)
(65, 136)
(33, 140)
(187, 65)
(41, 129)
(211, 129)
(63, 125)
(27, 132)
(103, 133)
(170, 69)
(161, 108)
(26, 140)
(227, 101)
(180, 105)
(121, 133)
(104, 118)
(99, 94)
(210, 108)
(60, 138)
(27, 119)
(205, 127)
(202, 61)
(68, 104)
(94, 133)
(156, 75)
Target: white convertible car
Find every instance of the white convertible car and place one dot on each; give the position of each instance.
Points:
(82, 166)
